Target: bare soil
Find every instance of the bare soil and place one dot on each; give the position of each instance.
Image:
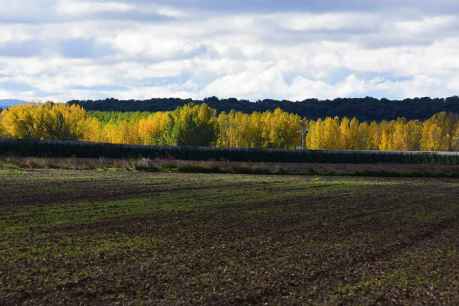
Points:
(135, 238)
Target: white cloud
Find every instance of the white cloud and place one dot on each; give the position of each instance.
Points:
(326, 22)
(98, 8)
(75, 7)
(425, 25)
(141, 49)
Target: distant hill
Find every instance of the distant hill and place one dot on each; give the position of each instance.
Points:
(9, 102)
(365, 109)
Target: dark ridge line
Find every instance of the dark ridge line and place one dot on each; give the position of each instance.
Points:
(366, 109)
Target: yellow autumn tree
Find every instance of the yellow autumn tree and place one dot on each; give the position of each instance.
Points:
(282, 130)
(330, 134)
(2, 129)
(439, 132)
(345, 137)
(153, 130)
(200, 125)
(315, 135)
(363, 139)
(49, 121)
(94, 131)
(374, 136)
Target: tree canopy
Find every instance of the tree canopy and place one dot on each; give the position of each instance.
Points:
(364, 109)
(200, 125)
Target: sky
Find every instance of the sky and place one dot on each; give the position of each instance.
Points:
(253, 49)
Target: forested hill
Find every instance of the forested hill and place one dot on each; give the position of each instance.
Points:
(365, 109)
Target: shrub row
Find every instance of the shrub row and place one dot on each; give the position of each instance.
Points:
(31, 148)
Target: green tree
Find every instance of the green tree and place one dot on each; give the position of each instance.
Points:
(193, 125)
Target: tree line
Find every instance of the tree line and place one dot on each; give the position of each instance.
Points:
(364, 109)
(201, 125)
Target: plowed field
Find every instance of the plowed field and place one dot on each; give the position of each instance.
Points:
(133, 238)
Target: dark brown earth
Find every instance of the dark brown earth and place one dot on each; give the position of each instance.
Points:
(131, 238)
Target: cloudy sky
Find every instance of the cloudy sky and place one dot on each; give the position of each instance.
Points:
(286, 49)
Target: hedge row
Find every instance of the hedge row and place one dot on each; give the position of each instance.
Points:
(29, 148)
